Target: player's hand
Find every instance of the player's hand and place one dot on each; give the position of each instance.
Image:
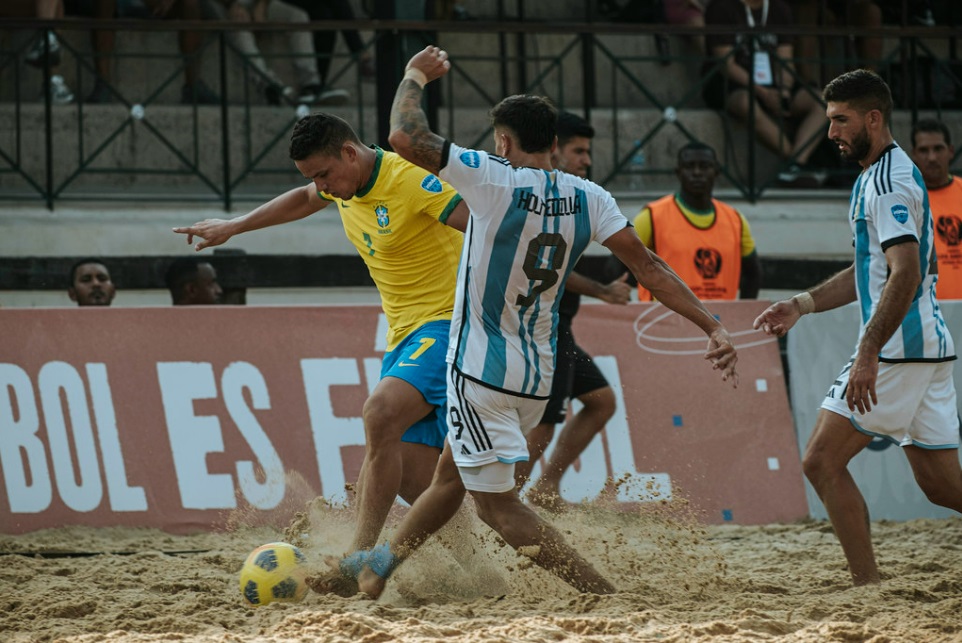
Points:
(431, 61)
(860, 393)
(778, 318)
(214, 232)
(722, 354)
(617, 292)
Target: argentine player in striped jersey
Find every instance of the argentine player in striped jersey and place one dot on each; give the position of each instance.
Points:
(394, 213)
(898, 384)
(529, 224)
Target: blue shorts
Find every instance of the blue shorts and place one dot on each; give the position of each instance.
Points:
(419, 360)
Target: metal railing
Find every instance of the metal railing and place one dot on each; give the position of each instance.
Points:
(141, 147)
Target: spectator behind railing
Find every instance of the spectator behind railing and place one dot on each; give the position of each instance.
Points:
(192, 282)
(266, 79)
(90, 283)
(60, 93)
(193, 91)
(932, 152)
(777, 94)
(850, 13)
(324, 41)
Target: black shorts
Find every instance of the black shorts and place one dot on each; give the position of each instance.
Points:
(575, 374)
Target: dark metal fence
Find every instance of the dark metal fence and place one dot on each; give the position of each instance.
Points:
(643, 101)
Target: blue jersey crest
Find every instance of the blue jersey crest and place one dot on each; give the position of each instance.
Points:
(471, 158)
(432, 183)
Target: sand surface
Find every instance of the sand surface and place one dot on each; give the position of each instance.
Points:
(678, 581)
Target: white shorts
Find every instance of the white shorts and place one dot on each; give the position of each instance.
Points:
(916, 405)
(486, 431)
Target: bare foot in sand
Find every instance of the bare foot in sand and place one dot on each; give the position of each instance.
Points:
(333, 580)
(370, 583)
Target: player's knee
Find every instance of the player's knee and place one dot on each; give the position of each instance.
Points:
(813, 466)
(600, 403)
(450, 491)
(379, 424)
(491, 511)
(940, 497)
(940, 493)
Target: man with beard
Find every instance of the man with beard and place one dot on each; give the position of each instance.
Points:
(898, 384)
(932, 152)
(90, 283)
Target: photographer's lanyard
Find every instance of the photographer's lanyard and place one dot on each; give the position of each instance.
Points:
(761, 63)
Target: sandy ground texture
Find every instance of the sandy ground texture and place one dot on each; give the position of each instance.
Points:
(678, 582)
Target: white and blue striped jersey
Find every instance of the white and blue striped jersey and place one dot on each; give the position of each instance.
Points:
(890, 205)
(527, 229)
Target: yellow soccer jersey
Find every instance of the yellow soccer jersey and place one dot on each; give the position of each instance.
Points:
(396, 222)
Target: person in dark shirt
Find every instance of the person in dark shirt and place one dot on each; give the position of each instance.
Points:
(736, 58)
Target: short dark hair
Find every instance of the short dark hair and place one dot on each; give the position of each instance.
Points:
(697, 146)
(181, 272)
(571, 126)
(72, 274)
(532, 119)
(932, 126)
(324, 133)
(862, 89)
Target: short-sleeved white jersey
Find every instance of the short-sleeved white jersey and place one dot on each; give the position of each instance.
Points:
(889, 205)
(527, 229)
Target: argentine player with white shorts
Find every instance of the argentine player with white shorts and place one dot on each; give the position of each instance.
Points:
(916, 406)
(528, 226)
(898, 384)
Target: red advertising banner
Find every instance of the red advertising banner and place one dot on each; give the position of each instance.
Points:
(731, 452)
(175, 417)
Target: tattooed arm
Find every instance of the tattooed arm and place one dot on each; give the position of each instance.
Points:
(410, 136)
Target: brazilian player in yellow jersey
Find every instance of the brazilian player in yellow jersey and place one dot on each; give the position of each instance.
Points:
(393, 224)
(405, 223)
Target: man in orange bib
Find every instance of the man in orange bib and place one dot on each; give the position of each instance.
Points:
(932, 151)
(707, 242)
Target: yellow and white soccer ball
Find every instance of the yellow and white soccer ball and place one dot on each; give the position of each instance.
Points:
(272, 573)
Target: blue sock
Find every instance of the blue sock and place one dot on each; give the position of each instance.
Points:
(352, 564)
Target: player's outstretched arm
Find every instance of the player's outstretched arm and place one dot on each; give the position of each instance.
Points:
(292, 205)
(835, 291)
(653, 273)
(411, 136)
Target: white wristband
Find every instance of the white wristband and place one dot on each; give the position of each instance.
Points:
(417, 76)
(805, 302)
